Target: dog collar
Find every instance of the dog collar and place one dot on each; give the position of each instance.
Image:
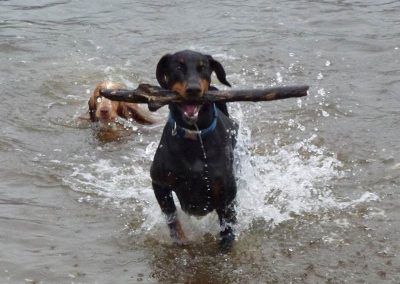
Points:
(182, 132)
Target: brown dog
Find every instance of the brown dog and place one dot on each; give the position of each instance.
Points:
(106, 111)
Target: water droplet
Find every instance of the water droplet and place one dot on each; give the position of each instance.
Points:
(299, 103)
(325, 114)
(279, 78)
(205, 159)
(321, 92)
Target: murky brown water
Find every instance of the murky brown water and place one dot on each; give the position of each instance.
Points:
(318, 177)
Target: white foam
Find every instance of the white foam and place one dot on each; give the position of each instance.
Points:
(274, 187)
(285, 183)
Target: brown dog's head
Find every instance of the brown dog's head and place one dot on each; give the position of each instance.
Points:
(189, 74)
(106, 111)
(102, 109)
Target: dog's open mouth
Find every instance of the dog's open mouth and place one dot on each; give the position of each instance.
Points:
(190, 112)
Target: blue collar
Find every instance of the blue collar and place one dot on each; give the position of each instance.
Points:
(182, 132)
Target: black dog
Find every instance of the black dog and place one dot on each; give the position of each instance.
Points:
(195, 155)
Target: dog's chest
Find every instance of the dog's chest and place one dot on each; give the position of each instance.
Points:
(193, 160)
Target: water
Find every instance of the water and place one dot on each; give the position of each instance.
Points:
(205, 170)
(318, 177)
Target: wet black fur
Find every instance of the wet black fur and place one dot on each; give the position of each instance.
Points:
(201, 185)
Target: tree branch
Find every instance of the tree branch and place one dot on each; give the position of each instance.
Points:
(157, 97)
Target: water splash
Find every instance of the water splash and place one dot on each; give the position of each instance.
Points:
(276, 185)
(285, 181)
(206, 173)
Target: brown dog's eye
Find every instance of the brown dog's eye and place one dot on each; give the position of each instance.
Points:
(98, 100)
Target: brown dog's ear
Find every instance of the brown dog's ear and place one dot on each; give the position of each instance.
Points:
(161, 71)
(130, 110)
(219, 70)
(92, 108)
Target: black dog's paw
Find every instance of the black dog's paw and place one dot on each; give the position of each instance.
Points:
(227, 238)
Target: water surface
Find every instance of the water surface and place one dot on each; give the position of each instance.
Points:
(318, 177)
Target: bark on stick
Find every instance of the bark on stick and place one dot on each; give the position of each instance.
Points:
(157, 97)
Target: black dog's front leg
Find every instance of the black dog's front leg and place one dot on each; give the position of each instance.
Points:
(167, 205)
(227, 218)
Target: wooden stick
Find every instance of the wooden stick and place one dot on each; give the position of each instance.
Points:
(157, 97)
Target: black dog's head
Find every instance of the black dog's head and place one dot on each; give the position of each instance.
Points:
(189, 74)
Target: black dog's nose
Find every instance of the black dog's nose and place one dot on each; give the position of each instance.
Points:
(192, 91)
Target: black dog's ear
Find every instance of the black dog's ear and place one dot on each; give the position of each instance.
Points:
(161, 71)
(219, 70)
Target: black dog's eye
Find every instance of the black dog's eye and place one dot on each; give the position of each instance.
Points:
(201, 67)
